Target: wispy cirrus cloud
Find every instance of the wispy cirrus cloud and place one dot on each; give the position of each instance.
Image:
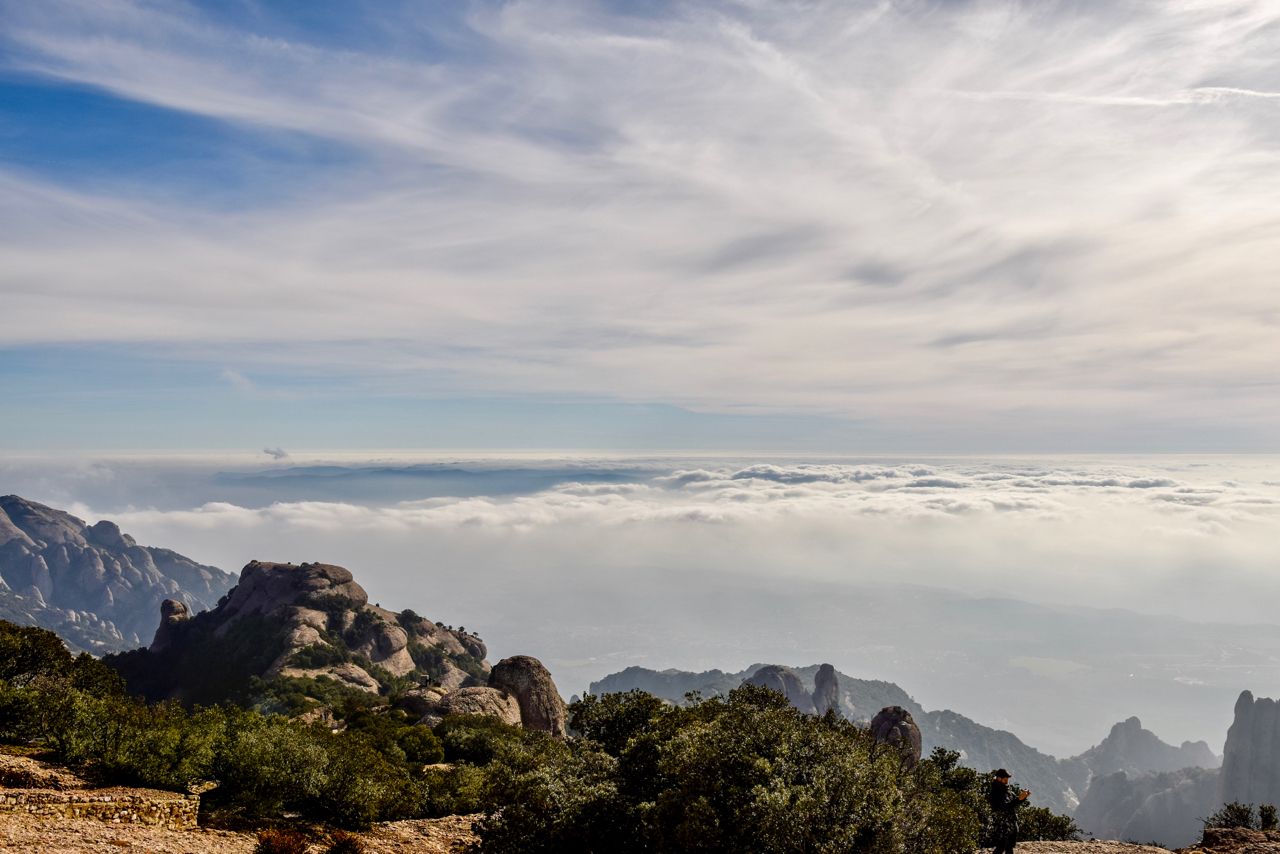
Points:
(1022, 218)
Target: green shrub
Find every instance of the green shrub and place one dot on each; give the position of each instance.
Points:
(1041, 824)
(476, 739)
(269, 764)
(1267, 819)
(280, 842)
(420, 745)
(1234, 814)
(362, 786)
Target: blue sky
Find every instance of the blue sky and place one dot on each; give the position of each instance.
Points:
(827, 226)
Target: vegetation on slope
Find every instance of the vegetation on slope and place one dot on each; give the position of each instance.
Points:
(742, 772)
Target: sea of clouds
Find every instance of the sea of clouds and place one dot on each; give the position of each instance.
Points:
(891, 569)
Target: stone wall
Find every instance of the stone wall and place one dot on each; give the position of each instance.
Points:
(174, 811)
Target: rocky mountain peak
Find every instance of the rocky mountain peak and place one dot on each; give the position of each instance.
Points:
(93, 585)
(265, 588)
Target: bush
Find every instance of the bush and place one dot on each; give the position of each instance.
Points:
(476, 739)
(1040, 824)
(269, 764)
(1234, 814)
(1267, 819)
(280, 842)
(342, 842)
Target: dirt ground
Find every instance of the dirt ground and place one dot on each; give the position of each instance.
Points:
(46, 835)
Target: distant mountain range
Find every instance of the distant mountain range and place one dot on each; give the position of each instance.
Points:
(92, 584)
(1059, 784)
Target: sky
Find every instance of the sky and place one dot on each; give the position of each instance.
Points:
(947, 226)
(676, 333)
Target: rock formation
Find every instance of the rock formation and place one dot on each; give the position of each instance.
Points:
(826, 690)
(785, 681)
(302, 621)
(93, 585)
(525, 678)
(894, 725)
(172, 612)
(482, 701)
(1251, 757)
(1164, 807)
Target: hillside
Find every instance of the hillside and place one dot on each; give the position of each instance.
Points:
(92, 584)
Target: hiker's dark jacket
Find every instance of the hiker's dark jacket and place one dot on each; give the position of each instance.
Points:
(1004, 811)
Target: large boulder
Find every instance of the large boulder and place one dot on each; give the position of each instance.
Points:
(492, 702)
(525, 678)
(826, 690)
(786, 682)
(893, 725)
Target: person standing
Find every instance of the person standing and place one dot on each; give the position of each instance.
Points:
(1004, 812)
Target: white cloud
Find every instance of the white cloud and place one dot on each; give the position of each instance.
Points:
(980, 216)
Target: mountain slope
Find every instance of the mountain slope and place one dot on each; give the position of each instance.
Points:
(1057, 784)
(93, 585)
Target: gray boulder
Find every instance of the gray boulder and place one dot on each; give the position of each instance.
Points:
(525, 678)
(492, 702)
(894, 725)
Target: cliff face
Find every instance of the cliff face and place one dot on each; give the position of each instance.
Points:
(1251, 757)
(93, 585)
(1164, 807)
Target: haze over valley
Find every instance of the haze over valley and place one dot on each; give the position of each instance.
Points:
(1049, 597)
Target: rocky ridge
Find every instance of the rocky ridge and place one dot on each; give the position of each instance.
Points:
(92, 584)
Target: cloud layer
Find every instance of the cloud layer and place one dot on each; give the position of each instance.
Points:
(1026, 218)
(946, 575)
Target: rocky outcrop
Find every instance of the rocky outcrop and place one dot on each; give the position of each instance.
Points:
(301, 621)
(492, 702)
(785, 681)
(1251, 757)
(894, 726)
(172, 613)
(1237, 840)
(93, 585)
(1162, 807)
(541, 706)
(826, 690)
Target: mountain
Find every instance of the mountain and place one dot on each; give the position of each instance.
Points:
(1165, 808)
(1057, 783)
(298, 638)
(1134, 750)
(93, 585)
